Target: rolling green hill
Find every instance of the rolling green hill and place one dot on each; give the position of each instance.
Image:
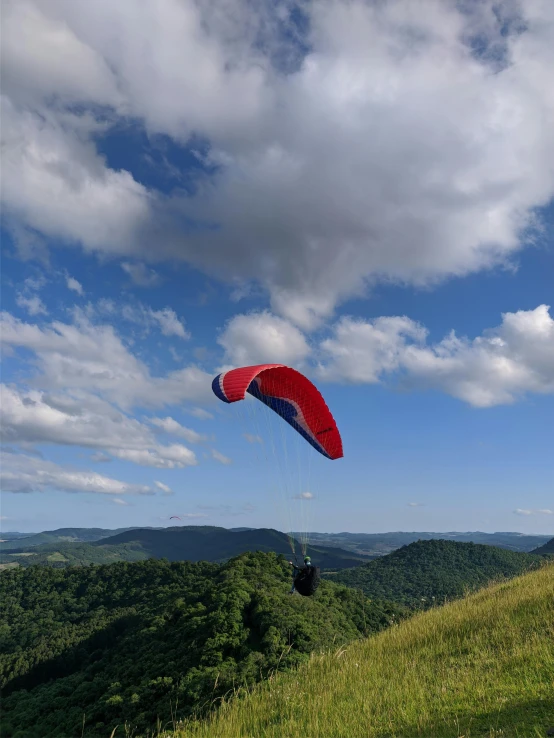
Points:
(134, 642)
(479, 667)
(427, 572)
(190, 543)
(548, 548)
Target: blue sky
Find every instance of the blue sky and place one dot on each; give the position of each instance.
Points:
(377, 219)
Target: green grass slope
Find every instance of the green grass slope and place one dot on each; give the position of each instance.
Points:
(182, 543)
(428, 572)
(479, 666)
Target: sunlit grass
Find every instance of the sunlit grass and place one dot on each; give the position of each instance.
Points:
(56, 556)
(481, 666)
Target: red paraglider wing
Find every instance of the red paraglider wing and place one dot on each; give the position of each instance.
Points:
(291, 395)
(232, 386)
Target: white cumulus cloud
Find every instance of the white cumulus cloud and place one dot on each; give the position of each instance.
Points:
(33, 305)
(92, 358)
(74, 285)
(175, 456)
(200, 413)
(362, 351)
(498, 367)
(304, 496)
(53, 181)
(377, 143)
(169, 323)
(258, 338)
(166, 320)
(22, 474)
(141, 275)
(221, 457)
(523, 511)
(169, 425)
(84, 420)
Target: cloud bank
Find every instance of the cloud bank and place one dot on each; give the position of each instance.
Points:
(400, 195)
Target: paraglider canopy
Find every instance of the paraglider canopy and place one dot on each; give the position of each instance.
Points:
(291, 395)
(284, 393)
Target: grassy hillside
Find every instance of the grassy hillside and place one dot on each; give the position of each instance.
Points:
(186, 543)
(548, 548)
(129, 642)
(480, 666)
(426, 572)
(383, 543)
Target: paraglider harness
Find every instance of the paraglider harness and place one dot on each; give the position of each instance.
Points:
(305, 579)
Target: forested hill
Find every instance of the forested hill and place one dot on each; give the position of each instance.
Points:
(208, 543)
(427, 572)
(202, 543)
(181, 543)
(132, 642)
(548, 548)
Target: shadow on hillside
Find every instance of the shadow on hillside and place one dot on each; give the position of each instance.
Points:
(527, 718)
(73, 659)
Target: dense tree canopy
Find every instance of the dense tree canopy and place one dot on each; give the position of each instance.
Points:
(428, 572)
(135, 641)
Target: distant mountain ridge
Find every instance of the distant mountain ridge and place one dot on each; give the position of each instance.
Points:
(10, 534)
(178, 543)
(383, 543)
(65, 535)
(365, 544)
